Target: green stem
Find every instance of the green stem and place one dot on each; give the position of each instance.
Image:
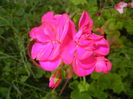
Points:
(84, 80)
(64, 86)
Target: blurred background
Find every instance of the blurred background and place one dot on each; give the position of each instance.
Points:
(20, 79)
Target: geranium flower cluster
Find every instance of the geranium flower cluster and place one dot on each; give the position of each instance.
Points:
(57, 42)
(121, 5)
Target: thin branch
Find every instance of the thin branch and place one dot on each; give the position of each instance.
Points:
(64, 86)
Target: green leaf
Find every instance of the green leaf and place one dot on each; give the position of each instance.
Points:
(85, 95)
(51, 95)
(3, 91)
(129, 26)
(83, 86)
(112, 81)
(74, 84)
(96, 75)
(77, 2)
(24, 78)
(77, 95)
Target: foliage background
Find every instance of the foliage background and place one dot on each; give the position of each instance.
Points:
(20, 79)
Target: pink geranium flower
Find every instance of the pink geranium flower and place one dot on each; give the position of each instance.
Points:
(88, 46)
(56, 41)
(120, 6)
(55, 79)
(50, 38)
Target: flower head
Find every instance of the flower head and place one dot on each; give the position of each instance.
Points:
(120, 6)
(88, 46)
(56, 41)
(50, 37)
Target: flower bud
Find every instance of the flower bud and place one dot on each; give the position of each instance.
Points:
(55, 79)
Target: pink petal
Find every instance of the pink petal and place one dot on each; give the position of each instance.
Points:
(50, 30)
(68, 45)
(50, 65)
(72, 29)
(85, 59)
(35, 49)
(83, 53)
(120, 6)
(56, 84)
(63, 27)
(101, 47)
(102, 65)
(85, 23)
(68, 49)
(121, 11)
(46, 17)
(38, 34)
(84, 19)
(109, 65)
(79, 70)
(55, 51)
(86, 43)
(87, 63)
(78, 35)
(93, 36)
(41, 51)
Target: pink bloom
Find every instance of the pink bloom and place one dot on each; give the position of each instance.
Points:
(119, 6)
(102, 65)
(55, 32)
(87, 45)
(55, 79)
(56, 41)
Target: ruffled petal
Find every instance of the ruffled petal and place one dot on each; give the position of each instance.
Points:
(41, 51)
(100, 67)
(103, 65)
(87, 63)
(50, 30)
(55, 51)
(68, 45)
(101, 47)
(82, 53)
(93, 36)
(78, 35)
(63, 27)
(79, 70)
(35, 50)
(84, 19)
(109, 65)
(86, 43)
(68, 50)
(85, 23)
(50, 65)
(47, 17)
(39, 34)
